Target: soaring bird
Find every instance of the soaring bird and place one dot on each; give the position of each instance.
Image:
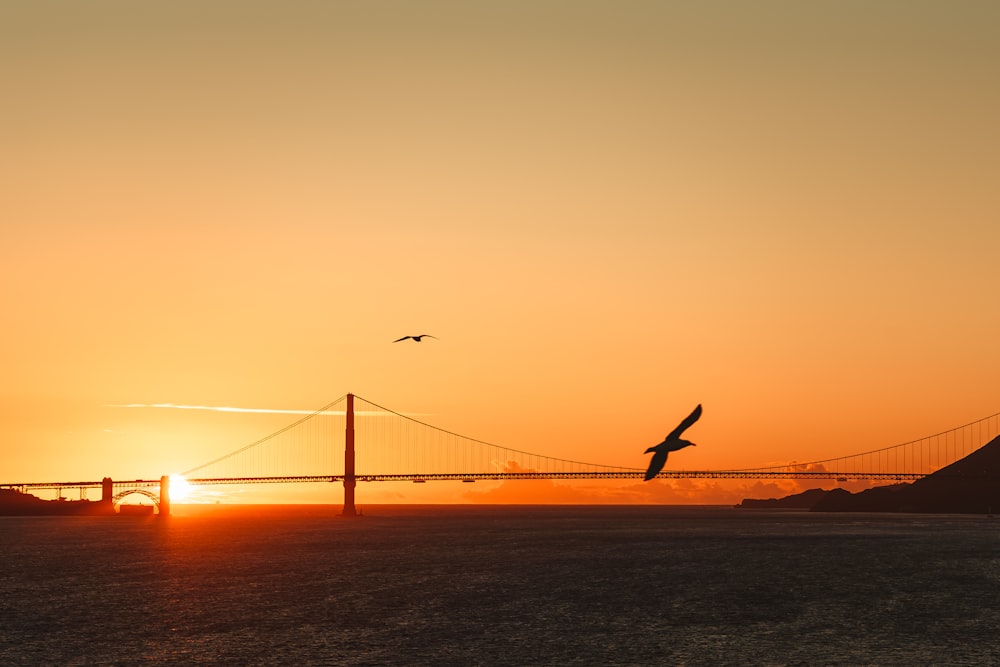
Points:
(671, 443)
(416, 338)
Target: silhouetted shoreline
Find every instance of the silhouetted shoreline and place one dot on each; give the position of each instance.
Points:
(16, 503)
(968, 486)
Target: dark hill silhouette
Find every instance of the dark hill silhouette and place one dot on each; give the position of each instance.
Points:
(15, 503)
(969, 486)
(803, 500)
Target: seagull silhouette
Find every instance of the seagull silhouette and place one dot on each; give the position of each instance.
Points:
(416, 338)
(671, 443)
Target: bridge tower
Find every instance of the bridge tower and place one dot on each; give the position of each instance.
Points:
(164, 496)
(107, 496)
(349, 481)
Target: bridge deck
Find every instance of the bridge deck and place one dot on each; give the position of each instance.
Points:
(493, 476)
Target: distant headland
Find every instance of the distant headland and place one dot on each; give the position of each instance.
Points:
(16, 503)
(969, 486)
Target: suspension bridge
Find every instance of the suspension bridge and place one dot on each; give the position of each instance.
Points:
(353, 440)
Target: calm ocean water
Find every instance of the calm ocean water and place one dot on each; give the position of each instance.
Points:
(508, 585)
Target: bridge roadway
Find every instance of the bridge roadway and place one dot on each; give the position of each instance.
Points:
(122, 484)
(492, 476)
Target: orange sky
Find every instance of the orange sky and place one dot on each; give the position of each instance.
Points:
(608, 212)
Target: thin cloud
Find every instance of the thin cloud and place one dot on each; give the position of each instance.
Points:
(226, 408)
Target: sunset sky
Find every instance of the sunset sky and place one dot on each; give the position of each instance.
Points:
(607, 212)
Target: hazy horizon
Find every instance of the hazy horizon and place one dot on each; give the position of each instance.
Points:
(606, 213)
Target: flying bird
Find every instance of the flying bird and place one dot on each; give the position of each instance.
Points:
(671, 443)
(416, 338)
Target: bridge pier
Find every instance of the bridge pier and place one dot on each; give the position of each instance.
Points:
(349, 481)
(164, 496)
(107, 495)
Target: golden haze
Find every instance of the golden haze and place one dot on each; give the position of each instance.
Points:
(607, 213)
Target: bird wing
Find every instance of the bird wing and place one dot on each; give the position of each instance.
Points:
(656, 465)
(427, 336)
(403, 338)
(690, 419)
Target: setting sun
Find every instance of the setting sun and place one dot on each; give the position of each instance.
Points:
(180, 490)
